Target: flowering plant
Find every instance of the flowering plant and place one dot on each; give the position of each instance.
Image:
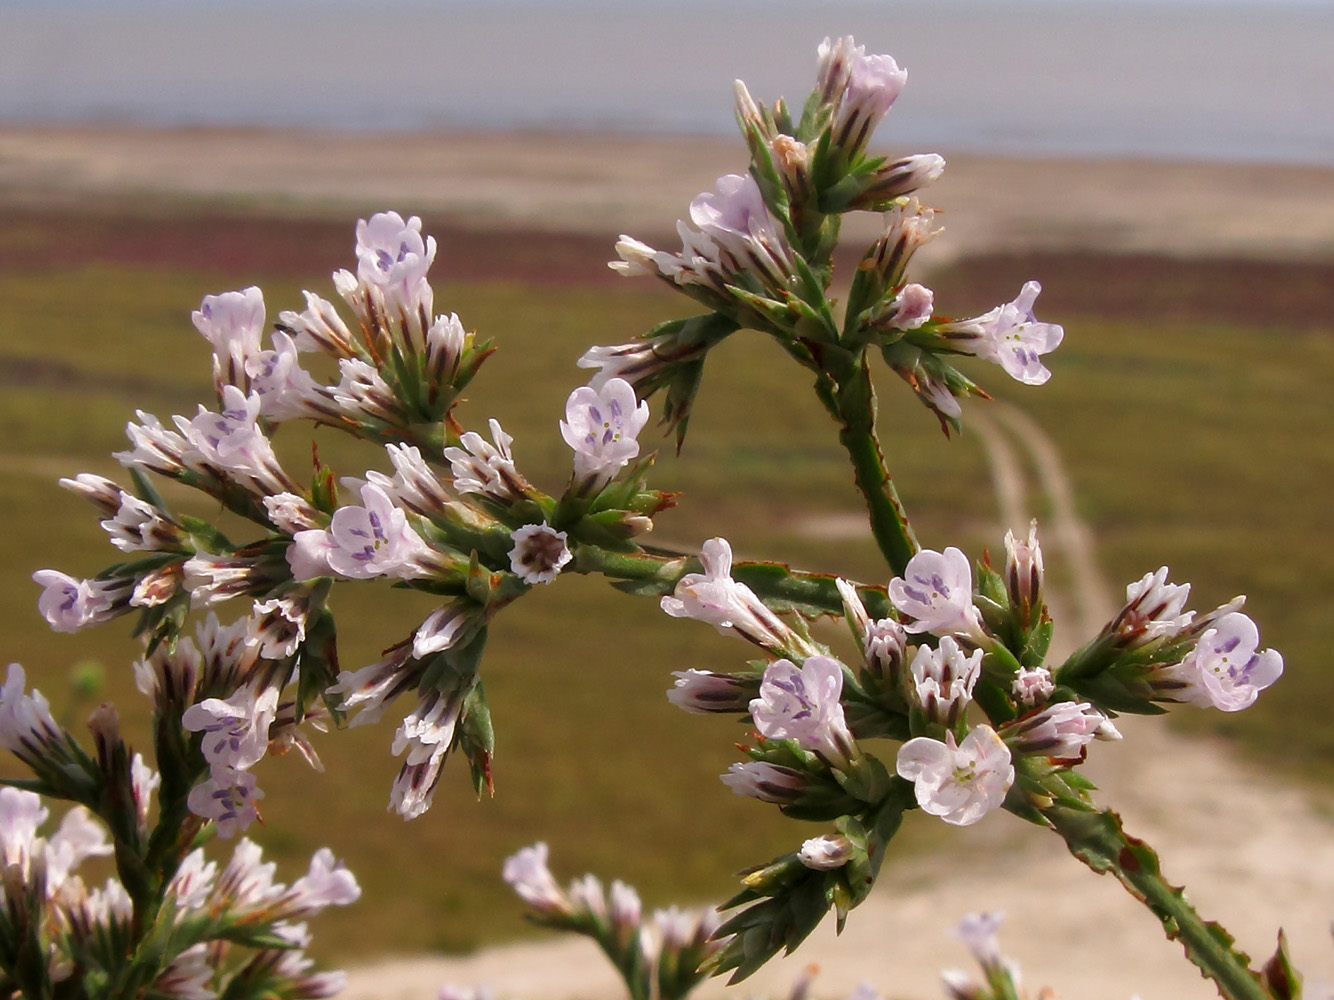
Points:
(950, 702)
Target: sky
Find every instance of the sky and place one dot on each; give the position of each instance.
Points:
(1215, 79)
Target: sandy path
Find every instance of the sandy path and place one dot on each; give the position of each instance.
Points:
(1255, 855)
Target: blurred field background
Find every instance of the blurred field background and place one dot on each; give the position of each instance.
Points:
(1190, 402)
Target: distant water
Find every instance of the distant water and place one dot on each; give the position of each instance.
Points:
(1213, 79)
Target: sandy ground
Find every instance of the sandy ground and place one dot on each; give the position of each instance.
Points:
(1254, 853)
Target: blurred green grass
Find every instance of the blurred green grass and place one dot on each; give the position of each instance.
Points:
(1200, 445)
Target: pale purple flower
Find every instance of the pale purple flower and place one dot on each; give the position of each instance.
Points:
(1060, 731)
(25, 720)
(885, 645)
(602, 425)
(414, 485)
(362, 392)
(767, 782)
(233, 323)
(1225, 670)
(138, 526)
(961, 782)
(286, 391)
(624, 908)
(978, 932)
(714, 597)
(873, 83)
(700, 692)
(68, 604)
(527, 873)
(319, 328)
(156, 448)
(236, 729)
(638, 362)
(825, 852)
(802, 704)
(1010, 336)
(735, 219)
(361, 543)
(480, 467)
(1032, 686)
(539, 553)
(393, 257)
(327, 883)
(227, 797)
(232, 442)
(937, 590)
(943, 680)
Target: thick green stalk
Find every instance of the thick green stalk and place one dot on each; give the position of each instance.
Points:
(1097, 839)
(855, 399)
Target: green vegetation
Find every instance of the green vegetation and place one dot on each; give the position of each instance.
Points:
(1201, 446)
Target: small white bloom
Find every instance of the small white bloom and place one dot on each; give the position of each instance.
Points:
(602, 425)
(362, 392)
(327, 883)
(700, 692)
(767, 782)
(937, 589)
(1154, 609)
(291, 513)
(442, 629)
(943, 680)
(962, 782)
(230, 441)
(371, 688)
(911, 307)
(278, 625)
(539, 553)
(1060, 731)
(156, 448)
(21, 813)
(25, 720)
(393, 257)
(286, 391)
(1024, 573)
(479, 467)
(714, 597)
(79, 837)
(802, 704)
(527, 873)
(1225, 670)
(319, 328)
(978, 932)
(1032, 686)
(638, 362)
(825, 852)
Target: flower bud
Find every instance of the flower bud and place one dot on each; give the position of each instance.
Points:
(1024, 575)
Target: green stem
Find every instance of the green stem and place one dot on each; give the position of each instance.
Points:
(1097, 839)
(856, 415)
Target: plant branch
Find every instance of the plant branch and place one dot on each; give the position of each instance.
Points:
(1098, 840)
